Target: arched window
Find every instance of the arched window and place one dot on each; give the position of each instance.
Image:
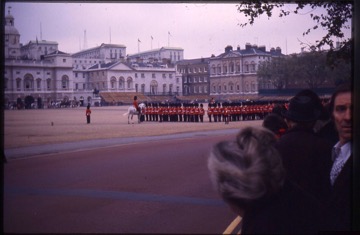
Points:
(113, 82)
(121, 83)
(153, 87)
(129, 82)
(143, 88)
(219, 69)
(28, 82)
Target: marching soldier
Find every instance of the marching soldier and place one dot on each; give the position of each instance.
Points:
(210, 111)
(202, 113)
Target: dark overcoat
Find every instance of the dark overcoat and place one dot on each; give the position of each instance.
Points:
(307, 160)
(339, 206)
(291, 211)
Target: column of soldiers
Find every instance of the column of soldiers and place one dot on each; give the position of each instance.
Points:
(217, 112)
(238, 111)
(174, 112)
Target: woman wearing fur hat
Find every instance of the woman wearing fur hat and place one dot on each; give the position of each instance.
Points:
(250, 178)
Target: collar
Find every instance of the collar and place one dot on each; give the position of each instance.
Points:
(345, 150)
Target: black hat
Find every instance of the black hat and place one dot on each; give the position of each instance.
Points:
(302, 109)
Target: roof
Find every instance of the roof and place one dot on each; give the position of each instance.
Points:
(98, 47)
(57, 53)
(251, 50)
(104, 66)
(193, 61)
(156, 50)
(41, 42)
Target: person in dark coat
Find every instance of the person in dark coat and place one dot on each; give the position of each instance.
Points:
(275, 123)
(249, 175)
(305, 156)
(339, 206)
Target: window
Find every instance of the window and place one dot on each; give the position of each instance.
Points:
(48, 84)
(164, 88)
(224, 69)
(153, 75)
(64, 60)
(164, 75)
(213, 70)
(18, 84)
(231, 67)
(238, 68)
(142, 75)
(38, 84)
(170, 75)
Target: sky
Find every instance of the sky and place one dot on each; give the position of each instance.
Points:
(200, 28)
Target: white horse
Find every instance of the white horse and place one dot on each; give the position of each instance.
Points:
(132, 111)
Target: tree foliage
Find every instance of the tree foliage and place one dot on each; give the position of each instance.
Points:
(309, 69)
(337, 16)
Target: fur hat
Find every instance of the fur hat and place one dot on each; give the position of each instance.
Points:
(302, 109)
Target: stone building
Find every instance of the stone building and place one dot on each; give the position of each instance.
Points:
(234, 72)
(36, 71)
(195, 76)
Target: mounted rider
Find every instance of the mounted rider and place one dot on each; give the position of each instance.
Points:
(136, 105)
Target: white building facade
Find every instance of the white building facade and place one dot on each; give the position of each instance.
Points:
(234, 72)
(145, 78)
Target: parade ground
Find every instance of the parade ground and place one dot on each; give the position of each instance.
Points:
(110, 176)
(23, 128)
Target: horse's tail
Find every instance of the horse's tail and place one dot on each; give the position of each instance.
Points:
(125, 113)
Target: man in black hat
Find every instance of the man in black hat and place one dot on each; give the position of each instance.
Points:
(305, 156)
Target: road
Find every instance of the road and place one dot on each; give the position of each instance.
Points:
(159, 186)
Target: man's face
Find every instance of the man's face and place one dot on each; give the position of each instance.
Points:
(343, 116)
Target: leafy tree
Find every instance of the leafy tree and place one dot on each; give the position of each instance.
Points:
(274, 72)
(308, 69)
(337, 17)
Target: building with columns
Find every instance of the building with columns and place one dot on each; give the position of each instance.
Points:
(234, 72)
(39, 71)
(36, 70)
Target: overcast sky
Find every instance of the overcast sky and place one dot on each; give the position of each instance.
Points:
(201, 29)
